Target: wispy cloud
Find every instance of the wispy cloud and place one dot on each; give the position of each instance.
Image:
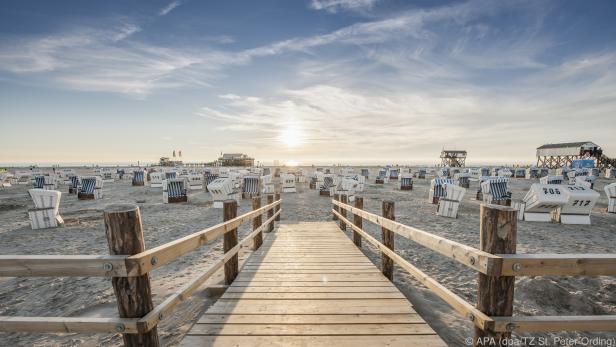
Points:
(333, 6)
(167, 9)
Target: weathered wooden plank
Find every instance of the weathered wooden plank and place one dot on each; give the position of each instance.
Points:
(558, 264)
(313, 289)
(340, 306)
(311, 329)
(555, 323)
(311, 318)
(314, 341)
(62, 265)
(312, 296)
(68, 324)
(259, 283)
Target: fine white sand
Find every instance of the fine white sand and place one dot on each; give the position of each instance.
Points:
(83, 233)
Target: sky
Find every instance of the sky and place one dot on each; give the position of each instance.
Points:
(309, 81)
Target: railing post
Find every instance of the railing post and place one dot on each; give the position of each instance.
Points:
(230, 241)
(133, 294)
(277, 219)
(498, 232)
(337, 198)
(358, 221)
(256, 223)
(270, 213)
(343, 199)
(387, 237)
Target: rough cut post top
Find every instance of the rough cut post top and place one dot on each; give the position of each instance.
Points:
(120, 208)
(499, 207)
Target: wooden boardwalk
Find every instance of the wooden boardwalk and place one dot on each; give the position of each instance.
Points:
(308, 285)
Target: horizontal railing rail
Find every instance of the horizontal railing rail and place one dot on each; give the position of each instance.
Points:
(497, 266)
(133, 266)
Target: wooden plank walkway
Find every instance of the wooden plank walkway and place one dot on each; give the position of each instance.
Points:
(308, 285)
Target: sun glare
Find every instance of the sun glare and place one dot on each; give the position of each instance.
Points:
(291, 137)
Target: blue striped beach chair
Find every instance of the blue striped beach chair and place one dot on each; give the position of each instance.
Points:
(406, 183)
(250, 187)
(393, 174)
(326, 188)
(39, 182)
(209, 178)
(138, 178)
(437, 189)
(73, 184)
(90, 188)
(494, 191)
(170, 175)
(174, 190)
(365, 173)
(381, 177)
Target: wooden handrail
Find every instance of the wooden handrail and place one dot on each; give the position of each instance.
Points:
(126, 325)
(555, 323)
(457, 303)
(118, 265)
(483, 262)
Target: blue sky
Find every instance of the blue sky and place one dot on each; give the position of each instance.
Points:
(314, 81)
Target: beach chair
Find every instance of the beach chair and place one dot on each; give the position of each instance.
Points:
(327, 188)
(174, 190)
(532, 172)
(610, 192)
(91, 188)
(347, 186)
(557, 179)
(406, 181)
(299, 177)
(443, 172)
(360, 181)
(437, 189)
(209, 178)
(505, 172)
(382, 177)
(267, 183)
(463, 179)
(494, 191)
(610, 172)
(519, 172)
(585, 181)
(156, 179)
(223, 189)
(563, 171)
(45, 213)
(138, 178)
(107, 175)
(577, 209)
(365, 173)
(393, 174)
(251, 187)
(288, 183)
(266, 171)
(449, 204)
(73, 187)
(120, 173)
(544, 171)
(39, 182)
(541, 200)
(171, 175)
(421, 173)
(6, 180)
(195, 181)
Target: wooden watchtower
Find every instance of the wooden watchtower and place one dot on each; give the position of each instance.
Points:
(453, 158)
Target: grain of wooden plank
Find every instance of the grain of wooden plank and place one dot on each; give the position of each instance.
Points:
(314, 289)
(340, 306)
(311, 329)
(312, 296)
(314, 341)
(311, 318)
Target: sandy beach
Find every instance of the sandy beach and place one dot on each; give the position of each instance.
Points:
(83, 233)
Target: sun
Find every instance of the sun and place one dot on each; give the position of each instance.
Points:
(291, 137)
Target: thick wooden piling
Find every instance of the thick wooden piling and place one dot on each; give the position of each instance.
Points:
(498, 232)
(343, 199)
(270, 213)
(230, 241)
(358, 221)
(387, 237)
(336, 208)
(133, 294)
(277, 197)
(256, 223)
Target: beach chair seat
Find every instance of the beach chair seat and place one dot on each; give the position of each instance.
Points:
(494, 190)
(554, 179)
(174, 190)
(139, 177)
(437, 189)
(251, 187)
(45, 213)
(223, 189)
(541, 200)
(610, 192)
(288, 183)
(91, 188)
(406, 181)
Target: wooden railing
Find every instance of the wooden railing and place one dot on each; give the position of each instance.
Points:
(129, 268)
(496, 263)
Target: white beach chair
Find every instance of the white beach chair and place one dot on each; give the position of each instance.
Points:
(267, 184)
(610, 172)
(195, 181)
(91, 188)
(463, 179)
(421, 173)
(519, 172)
(585, 181)
(577, 209)
(541, 200)
(610, 192)
(382, 177)
(406, 181)
(45, 213)
(6, 180)
(223, 189)
(494, 190)
(557, 179)
(174, 190)
(437, 189)
(443, 172)
(449, 204)
(505, 172)
(532, 172)
(107, 175)
(288, 183)
(156, 179)
(328, 186)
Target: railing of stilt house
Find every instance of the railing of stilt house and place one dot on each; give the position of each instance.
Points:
(129, 266)
(497, 264)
